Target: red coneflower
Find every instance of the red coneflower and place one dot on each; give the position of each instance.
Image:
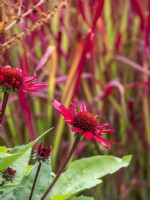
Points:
(85, 123)
(11, 81)
(43, 152)
(8, 175)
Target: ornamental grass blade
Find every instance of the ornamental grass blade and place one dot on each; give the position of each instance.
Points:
(139, 9)
(51, 82)
(27, 114)
(26, 67)
(74, 76)
(67, 96)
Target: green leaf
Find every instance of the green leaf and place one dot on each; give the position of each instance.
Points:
(66, 196)
(3, 149)
(7, 195)
(17, 152)
(2, 155)
(20, 165)
(43, 181)
(82, 198)
(62, 197)
(28, 169)
(85, 173)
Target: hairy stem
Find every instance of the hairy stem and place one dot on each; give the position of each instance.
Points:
(35, 179)
(2, 183)
(3, 107)
(76, 141)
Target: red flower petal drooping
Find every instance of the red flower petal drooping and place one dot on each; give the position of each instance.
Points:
(85, 123)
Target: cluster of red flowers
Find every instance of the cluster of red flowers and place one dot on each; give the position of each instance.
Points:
(83, 122)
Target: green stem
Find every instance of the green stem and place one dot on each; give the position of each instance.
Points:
(76, 141)
(97, 147)
(35, 179)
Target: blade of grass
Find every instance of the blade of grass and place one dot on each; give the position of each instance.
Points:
(51, 83)
(67, 96)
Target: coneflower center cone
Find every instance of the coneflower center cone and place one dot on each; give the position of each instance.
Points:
(86, 122)
(11, 78)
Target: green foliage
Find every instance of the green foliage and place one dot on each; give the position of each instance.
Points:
(20, 165)
(18, 152)
(66, 196)
(85, 173)
(44, 179)
(3, 149)
(7, 195)
(82, 198)
(110, 78)
(62, 197)
(81, 174)
(18, 159)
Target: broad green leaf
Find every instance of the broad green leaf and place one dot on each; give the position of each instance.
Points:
(6, 195)
(3, 149)
(28, 169)
(66, 196)
(62, 197)
(82, 198)
(85, 173)
(9, 186)
(2, 155)
(17, 152)
(20, 165)
(43, 181)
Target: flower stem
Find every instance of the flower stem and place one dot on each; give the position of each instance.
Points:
(96, 147)
(35, 179)
(76, 141)
(3, 107)
(2, 183)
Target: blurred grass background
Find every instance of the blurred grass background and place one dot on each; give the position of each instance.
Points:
(96, 52)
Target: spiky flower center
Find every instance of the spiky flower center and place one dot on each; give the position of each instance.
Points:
(10, 79)
(86, 122)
